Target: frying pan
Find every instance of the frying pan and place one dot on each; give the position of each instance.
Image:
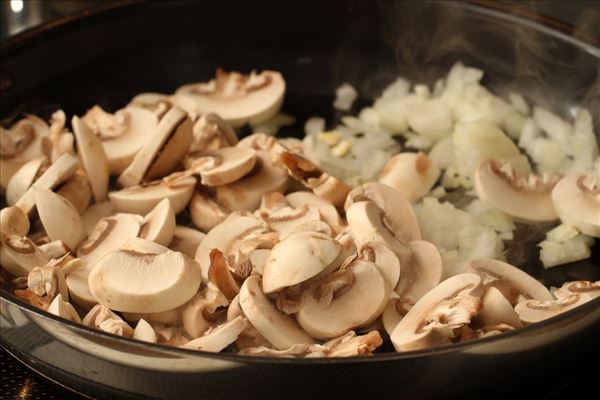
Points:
(108, 55)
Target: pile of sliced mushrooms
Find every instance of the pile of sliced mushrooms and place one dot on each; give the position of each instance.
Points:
(272, 255)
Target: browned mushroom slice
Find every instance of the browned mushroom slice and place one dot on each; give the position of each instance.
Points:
(220, 274)
(322, 184)
(211, 132)
(411, 174)
(222, 166)
(576, 199)
(528, 199)
(13, 221)
(532, 311)
(19, 255)
(237, 98)
(160, 154)
(23, 178)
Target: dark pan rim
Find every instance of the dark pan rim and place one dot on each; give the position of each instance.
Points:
(38, 33)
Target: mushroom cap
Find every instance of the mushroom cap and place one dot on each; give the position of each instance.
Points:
(143, 198)
(577, 202)
(496, 309)
(63, 309)
(14, 221)
(77, 282)
(144, 246)
(19, 255)
(59, 217)
(496, 273)
(93, 157)
(220, 337)
(133, 282)
(384, 259)
(237, 98)
(279, 329)
(95, 213)
(159, 224)
(327, 210)
(409, 333)
(22, 179)
(186, 240)
(422, 273)
(109, 234)
(205, 212)
(298, 258)
(357, 305)
(532, 311)
(60, 170)
(162, 151)
(143, 331)
(498, 185)
(411, 174)
(223, 166)
(399, 216)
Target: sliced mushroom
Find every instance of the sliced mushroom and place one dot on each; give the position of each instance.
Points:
(19, 144)
(513, 283)
(299, 258)
(116, 327)
(279, 329)
(204, 310)
(178, 188)
(59, 217)
(264, 142)
(160, 154)
(13, 221)
(186, 240)
(422, 272)
(134, 282)
(321, 183)
(63, 309)
(532, 311)
(436, 317)
(144, 246)
(351, 297)
(313, 226)
(205, 212)
(54, 249)
(109, 234)
(286, 220)
(19, 255)
(122, 134)
(258, 259)
(528, 199)
(157, 103)
(144, 332)
(48, 281)
(220, 274)
(61, 170)
(79, 291)
(326, 209)
(93, 156)
(159, 224)
(211, 132)
(496, 309)
(170, 317)
(77, 190)
(218, 338)
(101, 317)
(169, 335)
(222, 166)
(23, 179)
(32, 298)
(351, 345)
(411, 174)
(384, 259)
(95, 213)
(237, 98)
(59, 141)
(576, 198)
(587, 288)
(394, 311)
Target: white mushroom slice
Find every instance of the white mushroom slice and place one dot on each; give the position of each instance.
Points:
(95, 213)
(21, 143)
(77, 282)
(61, 170)
(204, 310)
(186, 240)
(144, 246)
(116, 327)
(296, 351)
(160, 154)
(59, 217)
(399, 217)
(237, 98)
(351, 297)
(13, 221)
(384, 259)
(432, 321)
(527, 199)
(326, 209)
(279, 329)
(19, 255)
(245, 194)
(411, 174)
(169, 317)
(394, 311)
(133, 282)
(77, 190)
(513, 283)
(144, 332)
(59, 140)
(23, 178)
(211, 132)
(205, 212)
(310, 175)
(351, 345)
(109, 234)
(422, 272)
(55, 249)
(48, 281)
(98, 314)
(586, 288)
(285, 220)
(169, 335)
(157, 103)
(141, 199)
(222, 166)
(532, 311)
(313, 226)
(159, 224)
(122, 134)
(258, 258)
(262, 141)
(496, 309)
(219, 337)
(93, 156)
(576, 199)
(298, 258)
(63, 309)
